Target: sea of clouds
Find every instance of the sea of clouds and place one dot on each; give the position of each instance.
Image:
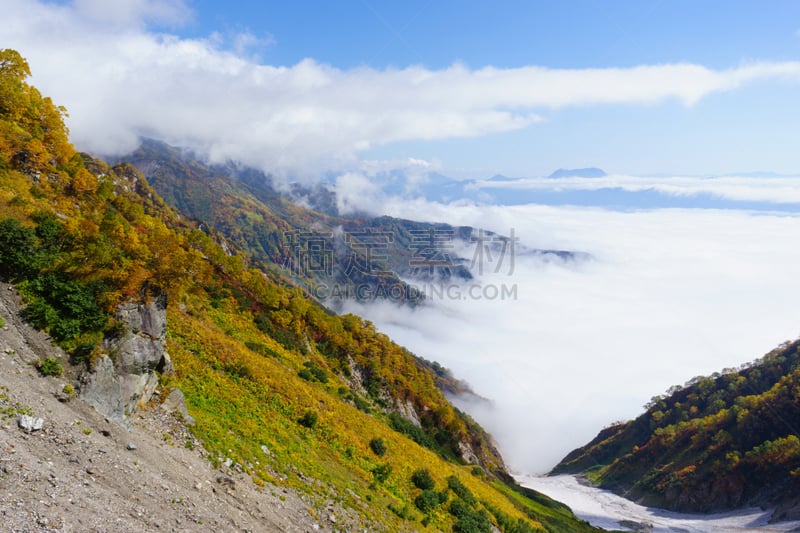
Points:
(667, 295)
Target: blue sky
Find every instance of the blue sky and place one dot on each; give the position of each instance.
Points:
(571, 34)
(636, 87)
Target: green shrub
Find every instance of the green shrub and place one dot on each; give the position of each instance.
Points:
(50, 367)
(238, 369)
(469, 520)
(461, 491)
(312, 373)
(377, 446)
(261, 349)
(63, 307)
(413, 432)
(427, 500)
(422, 479)
(2, 322)
(382, 472)
(319, 374)
(361, 403)
(508, 524)
(83, 350)
(309, 419)
(17, 248)
(405, 512)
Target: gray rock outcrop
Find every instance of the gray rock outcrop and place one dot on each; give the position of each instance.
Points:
(125, 378)
(176, 403)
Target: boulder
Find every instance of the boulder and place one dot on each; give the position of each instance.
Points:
(175, 402)
(101, 389)
(143, 345)
(125, 378)
(30, 423)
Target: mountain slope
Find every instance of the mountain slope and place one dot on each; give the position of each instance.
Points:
(334, 258)
(279, 388)
(718, 443)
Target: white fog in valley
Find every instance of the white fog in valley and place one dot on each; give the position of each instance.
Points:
(607, 510)
(667, 295)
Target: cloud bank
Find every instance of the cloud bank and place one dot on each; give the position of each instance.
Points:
(669, 295)
(779, 190)
(121, 80)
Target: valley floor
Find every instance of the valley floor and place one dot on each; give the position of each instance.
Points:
(605, 509)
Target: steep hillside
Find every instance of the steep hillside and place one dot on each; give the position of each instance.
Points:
(717, 443)
(278, 389)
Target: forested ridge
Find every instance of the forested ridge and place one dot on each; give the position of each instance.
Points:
(718, 442)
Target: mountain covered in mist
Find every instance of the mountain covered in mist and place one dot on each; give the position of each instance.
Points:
(333, 257)
(295, 232)
(718, 443)
(276, 386)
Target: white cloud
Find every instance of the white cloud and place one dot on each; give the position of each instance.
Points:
(779, 190)
(120, 80)
(670, 294)
(356, 193)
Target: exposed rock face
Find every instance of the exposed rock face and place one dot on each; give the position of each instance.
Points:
(142, 347)
(467, 453)
(101, 389)
(118, 387)
(407, 411)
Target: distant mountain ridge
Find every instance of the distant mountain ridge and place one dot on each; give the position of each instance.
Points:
(319, 250)
(591, 172)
